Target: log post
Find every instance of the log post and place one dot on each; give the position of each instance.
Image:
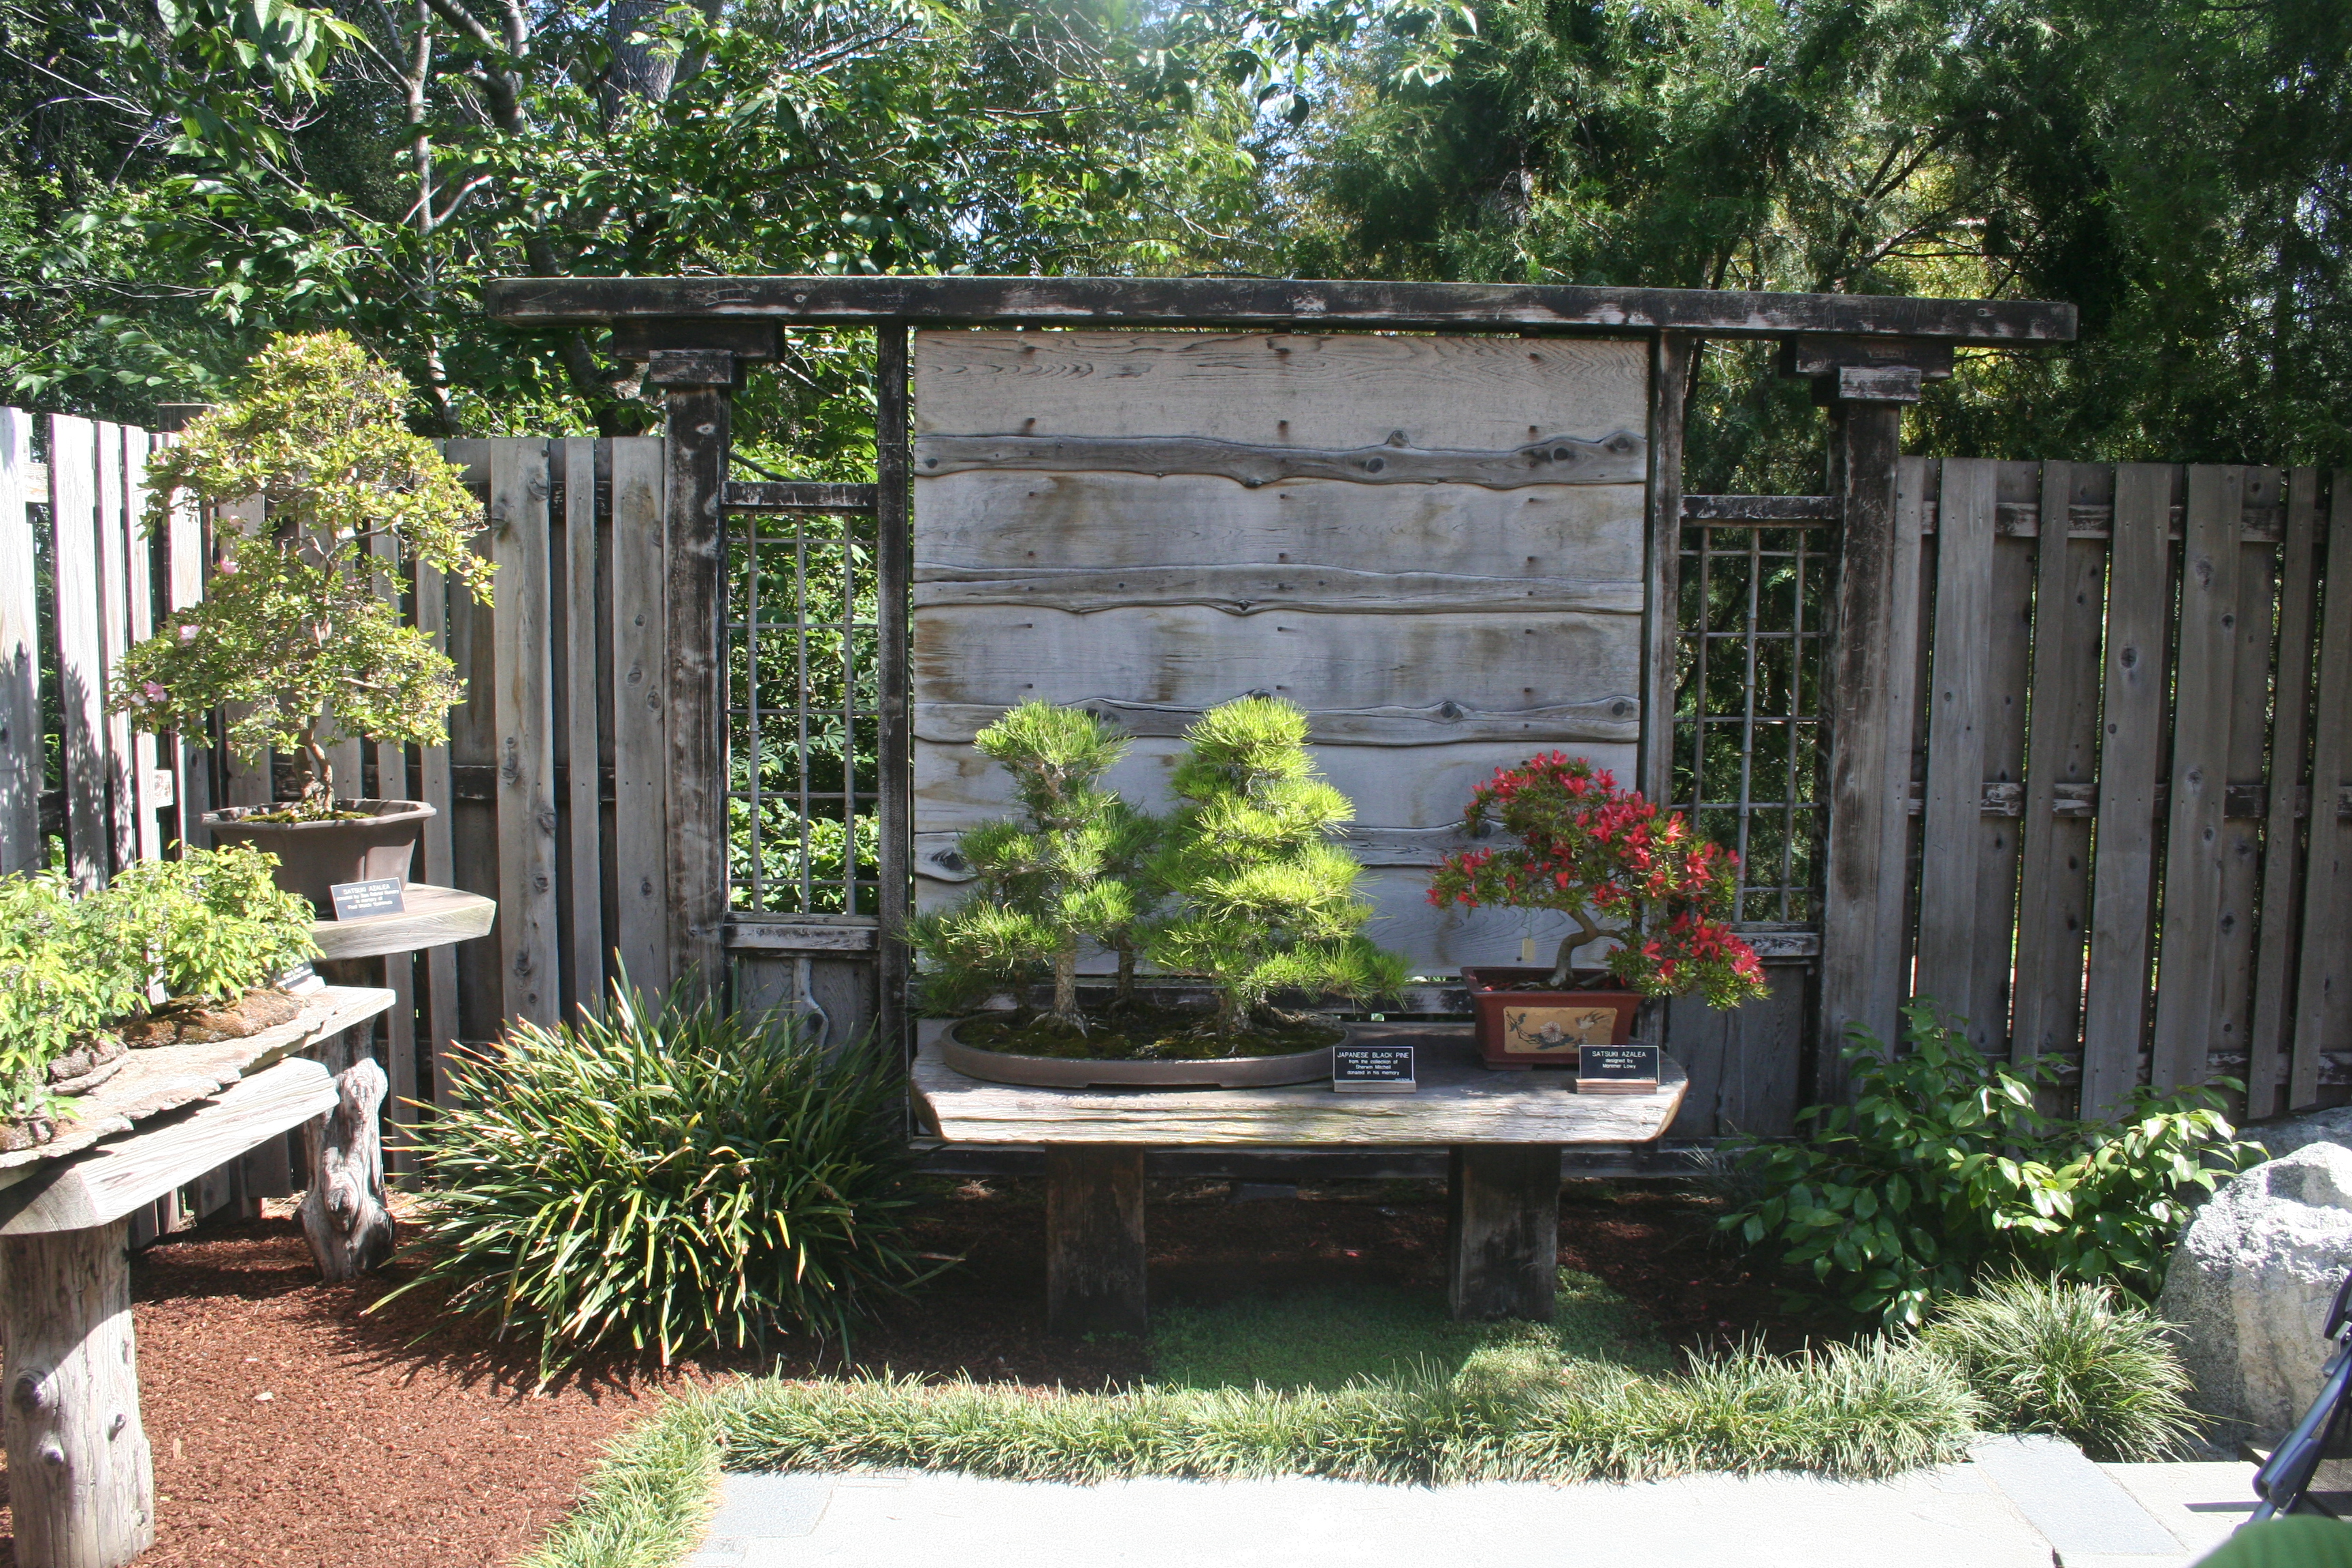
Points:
(1094, 1239)
(344, 1217)
(81, 1482)
(1502, 1230)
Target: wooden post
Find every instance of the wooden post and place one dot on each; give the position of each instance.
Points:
(894, 556)
(81, 1483)
(1094, 1239)
(1502, 1230)
(1867, 706)
(344, 1217)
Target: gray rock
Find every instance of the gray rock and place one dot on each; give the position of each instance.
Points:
(2250, 1286)
(2288, 1133)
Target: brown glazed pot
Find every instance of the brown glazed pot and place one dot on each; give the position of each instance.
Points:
(1067, 1072)
(1520, 1029)
(312, 857)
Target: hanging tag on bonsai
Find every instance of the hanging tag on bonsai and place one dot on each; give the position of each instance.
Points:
(1371, 1069)
(1628, 1068)
(377, 896)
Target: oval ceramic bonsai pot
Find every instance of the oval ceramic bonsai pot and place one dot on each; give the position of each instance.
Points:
(1519, 1029)
(312, 857)
(1070, 1072)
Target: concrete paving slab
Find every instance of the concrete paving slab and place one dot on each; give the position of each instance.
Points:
(761, 1512)
(2085, 1514)
(2200, 1503)
(1950, 1518)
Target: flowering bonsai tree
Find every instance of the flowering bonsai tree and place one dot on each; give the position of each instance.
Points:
(292, 630)
(1588, 848)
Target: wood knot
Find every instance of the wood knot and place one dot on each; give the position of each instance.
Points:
(53, 1453)
(30, 1390)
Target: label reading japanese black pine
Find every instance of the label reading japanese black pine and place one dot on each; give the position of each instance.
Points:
(1371, 1069)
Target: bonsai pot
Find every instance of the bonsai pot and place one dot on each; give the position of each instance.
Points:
(312, 857)
(1076, 1072)
(1532, 1028)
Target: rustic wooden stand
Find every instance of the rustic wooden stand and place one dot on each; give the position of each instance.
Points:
(1503, 1131)
(81, 1482)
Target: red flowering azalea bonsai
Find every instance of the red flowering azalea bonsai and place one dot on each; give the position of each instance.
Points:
(1588, 848)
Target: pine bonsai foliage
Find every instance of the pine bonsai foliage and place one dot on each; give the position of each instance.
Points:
(1264, 901)
(1045, 881)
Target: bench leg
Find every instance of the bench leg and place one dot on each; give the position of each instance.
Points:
(1094, 1239)
(344, 1217)
(80, 1481)
(1502, 1240)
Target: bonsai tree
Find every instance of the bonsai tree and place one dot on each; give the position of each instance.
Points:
(292, 633)
(1264, 901)
(62, 982)
(1587, 849)
(210, 925)
(1047, 880)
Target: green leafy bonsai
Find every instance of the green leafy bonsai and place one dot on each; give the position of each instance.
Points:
(212, 925)
(293, 634)
(1042, 882)
(1263, 901)
(62, 982)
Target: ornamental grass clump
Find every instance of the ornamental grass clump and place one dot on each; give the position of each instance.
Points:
(666, 1178)
(294, 636)
(1587, 849)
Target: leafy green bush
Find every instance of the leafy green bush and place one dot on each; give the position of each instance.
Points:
(213, 923)
(670, 1178)
(1943, 1168)
(2055, 1355)
(60, 977)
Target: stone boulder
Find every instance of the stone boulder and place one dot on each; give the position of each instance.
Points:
(2250, 1286)
(2284, 1136)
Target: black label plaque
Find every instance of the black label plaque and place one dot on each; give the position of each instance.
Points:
(1601, 1069)
(357, 901)
(1372, 1069)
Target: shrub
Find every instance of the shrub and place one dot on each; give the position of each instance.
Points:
(60, 979)
(212, 923)
(1585, 847)
(669, 1179)
(1943, 1169)
(2057, 1355)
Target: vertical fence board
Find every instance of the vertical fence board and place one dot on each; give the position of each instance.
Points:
(1962, 650)
(585, 867)
(404, 1086)
(114, 638)
(640, 739)
(440, 868)
(22, 765)
(146, 800)
(2281, 901)
(2242, 836)
(523, 683)
(73, 511)
(2062, 748)
(2001, 726)
(2186, 968)
(2324, 982)
(2138, 617)
(183, 587)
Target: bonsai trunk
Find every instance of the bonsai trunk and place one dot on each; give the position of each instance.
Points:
(1065, 987)
(1125, 996)
(1562, 976)
(318, 788)
(1230, 1013)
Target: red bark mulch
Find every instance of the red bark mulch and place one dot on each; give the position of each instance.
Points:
(291, 1427)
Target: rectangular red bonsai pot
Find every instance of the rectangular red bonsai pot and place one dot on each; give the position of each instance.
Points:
(1543, 1029)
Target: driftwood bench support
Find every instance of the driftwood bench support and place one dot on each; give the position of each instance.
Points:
(1094, 1239)
(1502, 1230)
(81, 1483)
(344, 1217)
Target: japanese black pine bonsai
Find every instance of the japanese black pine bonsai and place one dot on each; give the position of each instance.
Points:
(1262, 901)
(293, 639)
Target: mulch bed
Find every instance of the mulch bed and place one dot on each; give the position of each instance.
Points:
(291, 1427)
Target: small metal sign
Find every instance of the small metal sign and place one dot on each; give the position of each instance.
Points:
(1372, 1069)
(378, 896)
(1628, 1068)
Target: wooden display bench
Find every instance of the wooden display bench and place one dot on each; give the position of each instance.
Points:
(1503, 1132)
(81, 1482)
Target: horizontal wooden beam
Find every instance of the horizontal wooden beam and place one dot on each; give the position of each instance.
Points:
(1759, 509)
(2022, 519)
(790, 934)
(1252, 588)
(1620, 458)
(2244, 801)
(1608, 719)
(1311, 305)
(796, 494)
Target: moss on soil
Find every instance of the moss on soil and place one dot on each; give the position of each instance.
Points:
(1144, 1035)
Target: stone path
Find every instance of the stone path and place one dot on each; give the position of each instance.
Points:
(2018, 1503)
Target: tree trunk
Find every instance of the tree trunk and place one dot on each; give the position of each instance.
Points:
(1563, 976)
(344, 1217)
(1125, 994)
(1065, 986)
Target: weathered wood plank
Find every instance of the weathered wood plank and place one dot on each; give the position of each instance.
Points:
(1188, 656)
(1254, 588)
(584, 867)
(121, 755)
(1621, 458)
(695, 470)
(640, 743)
(846, 933)
(1662, 554)
(1293, 394)
(2002, 714)
(1607, 720)
(1961, 653)
(147, 827)
(2123, 876)
(1766, 510)
(183, 588)
(524, 700)
(2053, 884)
(1094, 1241)
(2187, 972)
(440, 854)
(894, 545)
(2242, 832)
(433, 916)
(22, 765)
(2282, 887)
(1021, 521)
(1502, 1230)
(1314, 304)
(1744, 1061)
(81, 661)
(2323, 1012)
(797, 495)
